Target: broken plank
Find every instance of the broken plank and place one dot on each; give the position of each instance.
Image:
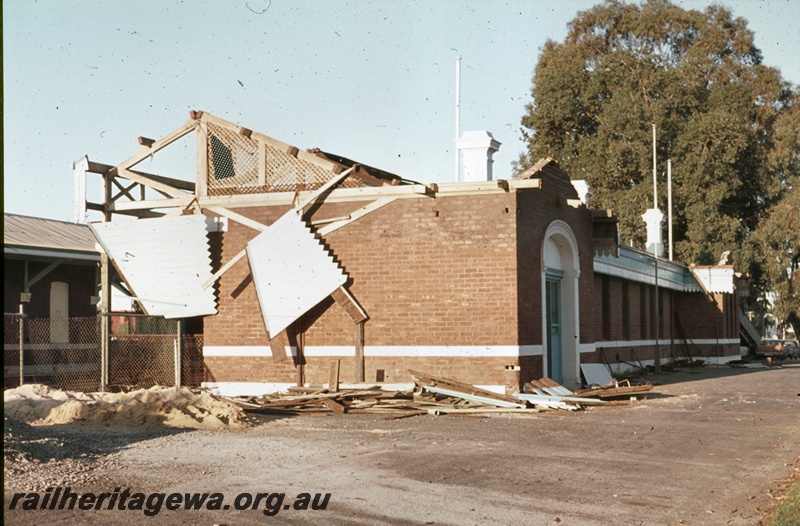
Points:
(612, 392)
(405, 414)
(487, 410)
(536, 398)
(473, 397)
(423, 379)
(333, 405)
(333, 378)
(552, 387)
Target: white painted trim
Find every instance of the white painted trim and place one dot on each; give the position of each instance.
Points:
(619, 367)
(584, 348)
(464, 351)
(676, 341)
(571, 326)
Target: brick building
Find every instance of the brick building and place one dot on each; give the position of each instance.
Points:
(490, 282)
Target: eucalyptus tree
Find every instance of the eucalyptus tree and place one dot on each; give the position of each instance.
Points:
(718, 110)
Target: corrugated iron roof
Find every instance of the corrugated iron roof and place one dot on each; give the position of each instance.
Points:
(164, 261)
(37, 232)
(292, 271)
(637, 265)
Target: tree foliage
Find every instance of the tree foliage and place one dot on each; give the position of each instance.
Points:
(778, 243)
(726, 120)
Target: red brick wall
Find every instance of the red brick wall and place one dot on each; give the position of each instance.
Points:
(450, 271)
(700, 318)
(437, 272)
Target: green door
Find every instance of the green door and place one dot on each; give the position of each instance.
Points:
(553, 310)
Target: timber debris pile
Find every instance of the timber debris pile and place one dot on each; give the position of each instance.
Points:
(437, 396)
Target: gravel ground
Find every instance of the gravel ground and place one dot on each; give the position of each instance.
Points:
(706, 448)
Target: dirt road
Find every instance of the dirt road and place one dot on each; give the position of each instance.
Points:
(704, 449)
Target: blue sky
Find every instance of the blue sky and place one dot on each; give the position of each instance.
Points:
(369, 80)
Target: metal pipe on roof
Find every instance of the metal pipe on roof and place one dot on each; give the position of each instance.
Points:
(669, 206)
(458, 113)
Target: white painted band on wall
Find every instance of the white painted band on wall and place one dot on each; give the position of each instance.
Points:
(676, 341)
(463, 351)
(621, 367)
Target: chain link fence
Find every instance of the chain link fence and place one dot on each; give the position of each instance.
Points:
(67, 353)
(142, 351)
(63, 352)
(12, 349)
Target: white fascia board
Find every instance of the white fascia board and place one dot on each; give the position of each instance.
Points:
(640, 272)
(465, 351)
(52, 254)
(715, 279)
(667, 341)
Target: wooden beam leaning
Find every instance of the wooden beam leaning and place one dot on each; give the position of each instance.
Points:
(144, 153)
(333, 377)
(359, 376)
(346, 300)
(239, 218)
(322, 189)
(102, 168)
(277, 345)
(235, 259)
(361, 212)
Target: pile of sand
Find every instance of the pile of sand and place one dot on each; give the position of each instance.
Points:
(157, 406)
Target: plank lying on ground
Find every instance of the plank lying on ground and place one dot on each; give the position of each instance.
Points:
(407, 414)
(612, 392)
(448, 383)
(486, 410)
(474, 398)
(334, 406)
(536, 398)
(551, 387)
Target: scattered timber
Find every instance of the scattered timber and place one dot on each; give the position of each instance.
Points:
(432, 395)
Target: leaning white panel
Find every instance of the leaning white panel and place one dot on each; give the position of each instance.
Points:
(292, 271)
(165, 261)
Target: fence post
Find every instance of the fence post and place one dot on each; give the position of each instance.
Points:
(105, 318)
(21, 344)
(178, 363)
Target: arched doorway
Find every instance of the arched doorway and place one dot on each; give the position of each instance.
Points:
(560, 314)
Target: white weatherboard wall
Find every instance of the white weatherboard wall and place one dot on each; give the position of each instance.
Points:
(165, 261)
(292, 271)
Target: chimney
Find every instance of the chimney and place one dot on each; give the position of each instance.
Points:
(653, 218)
(584, 191)
(476, 148)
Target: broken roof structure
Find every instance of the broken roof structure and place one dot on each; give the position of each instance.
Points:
(494, 282)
